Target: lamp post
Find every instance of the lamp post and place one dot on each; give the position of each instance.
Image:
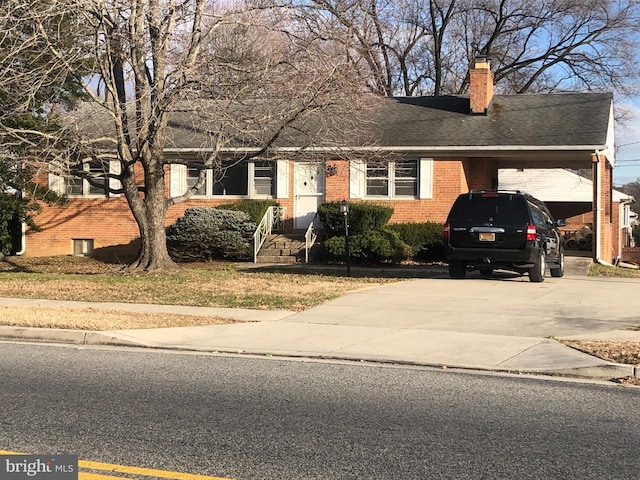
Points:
(344, 209)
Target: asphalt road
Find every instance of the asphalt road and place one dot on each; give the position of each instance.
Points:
(264, 418)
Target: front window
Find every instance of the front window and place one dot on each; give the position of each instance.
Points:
(240, 179)
(73, 186)
(264, 174)
(91, 180)
(405, 179)
(392, 179)
(192, 178)
(231, 179)
(98, 175)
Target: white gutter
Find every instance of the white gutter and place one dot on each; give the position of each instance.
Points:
(373, 148)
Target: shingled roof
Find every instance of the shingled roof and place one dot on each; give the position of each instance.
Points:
(439, 124)
(578, 119)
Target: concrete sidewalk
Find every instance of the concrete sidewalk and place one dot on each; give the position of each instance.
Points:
(504, 323)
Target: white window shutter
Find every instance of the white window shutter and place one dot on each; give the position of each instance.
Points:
(425, 187)
(282, 178)
(357, 179)
(114, 169)
(56, 180)
(177, 180)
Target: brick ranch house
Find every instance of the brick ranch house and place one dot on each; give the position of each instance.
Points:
(442, 146)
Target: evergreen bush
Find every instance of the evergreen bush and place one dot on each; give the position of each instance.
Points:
(363, 217)
(254, 208)
(375, 246)
(636, 234)
(370, 241)
(204, 234)
(425, 239)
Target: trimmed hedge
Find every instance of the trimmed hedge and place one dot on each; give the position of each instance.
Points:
(254, 208)
(363, 217)
(204, 234)
(425, 239)
(374, 246)
(369, 238)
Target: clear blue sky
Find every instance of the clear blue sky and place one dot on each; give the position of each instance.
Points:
(628, 146)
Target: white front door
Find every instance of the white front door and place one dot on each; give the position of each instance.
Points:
(309, 192)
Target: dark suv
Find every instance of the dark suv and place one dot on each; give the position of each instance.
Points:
(496, 229)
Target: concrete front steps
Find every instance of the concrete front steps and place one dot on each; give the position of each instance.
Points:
(282, 248)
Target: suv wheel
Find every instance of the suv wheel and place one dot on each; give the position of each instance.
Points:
(558, 269)
(457, 268)
(536, 274)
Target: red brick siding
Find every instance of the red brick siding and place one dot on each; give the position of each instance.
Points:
(337, 180)
(631, 255)
(605, 171)
(450, 178)
(481, 173)
(108, 221)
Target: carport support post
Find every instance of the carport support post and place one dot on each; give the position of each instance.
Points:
(344, 208)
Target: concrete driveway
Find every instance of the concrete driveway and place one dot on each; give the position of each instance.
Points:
(502, 305)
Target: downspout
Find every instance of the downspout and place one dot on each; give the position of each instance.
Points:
(23, 242)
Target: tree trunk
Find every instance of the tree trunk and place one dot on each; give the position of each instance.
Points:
(149, 212)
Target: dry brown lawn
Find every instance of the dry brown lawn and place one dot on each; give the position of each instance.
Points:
(98, 320)
(215, 284)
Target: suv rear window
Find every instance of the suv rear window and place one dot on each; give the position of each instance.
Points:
(485, 207)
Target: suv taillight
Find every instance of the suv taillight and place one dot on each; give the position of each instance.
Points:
(531, 232)
(446, 230)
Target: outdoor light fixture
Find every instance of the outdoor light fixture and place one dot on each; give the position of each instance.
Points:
(344, 209)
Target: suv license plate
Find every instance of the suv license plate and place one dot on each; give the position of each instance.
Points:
(487, 237)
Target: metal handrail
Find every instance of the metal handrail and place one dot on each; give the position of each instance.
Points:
(309, 239)
(271, 220)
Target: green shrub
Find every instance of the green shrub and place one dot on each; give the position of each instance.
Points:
(636, 233)
(363, 217)
(373, 246)
(208, 233)
(425, 239)
(254, 208)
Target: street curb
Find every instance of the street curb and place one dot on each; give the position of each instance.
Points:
(605, 372)
(47, 335)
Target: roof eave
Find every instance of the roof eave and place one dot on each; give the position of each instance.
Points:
(467, 150)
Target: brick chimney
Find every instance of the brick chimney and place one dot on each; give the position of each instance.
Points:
(480, 86)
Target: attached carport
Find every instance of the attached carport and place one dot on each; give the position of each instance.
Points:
(528, 131)
(600, 160)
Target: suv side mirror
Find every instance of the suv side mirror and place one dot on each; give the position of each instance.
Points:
(561, 222)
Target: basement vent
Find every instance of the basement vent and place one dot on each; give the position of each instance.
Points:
(82, 247)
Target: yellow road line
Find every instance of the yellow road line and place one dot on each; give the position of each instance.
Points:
(110, 467)
(144, 471)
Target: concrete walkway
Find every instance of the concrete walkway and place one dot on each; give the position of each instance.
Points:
(503, 323)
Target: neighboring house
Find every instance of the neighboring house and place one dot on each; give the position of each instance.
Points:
(439, 147)
(570, 196)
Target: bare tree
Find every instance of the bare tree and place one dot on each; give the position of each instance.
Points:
(413, 47)
(237, 76)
